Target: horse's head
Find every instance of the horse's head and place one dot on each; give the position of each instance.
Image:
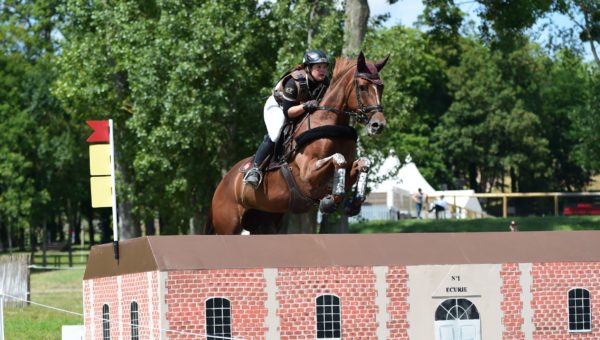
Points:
(365, 102)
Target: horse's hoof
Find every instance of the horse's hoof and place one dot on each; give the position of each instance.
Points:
(351, 208)
(327, 205)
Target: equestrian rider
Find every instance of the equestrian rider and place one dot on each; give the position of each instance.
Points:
(297, 93)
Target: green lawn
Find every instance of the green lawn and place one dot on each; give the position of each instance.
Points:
(61, 289)
(486, 224)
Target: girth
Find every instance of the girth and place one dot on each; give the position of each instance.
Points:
(298, 203)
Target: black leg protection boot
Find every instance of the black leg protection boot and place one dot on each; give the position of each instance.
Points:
(254, 175)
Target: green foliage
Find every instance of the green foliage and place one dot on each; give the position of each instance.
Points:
(586, 122)
(412, 78)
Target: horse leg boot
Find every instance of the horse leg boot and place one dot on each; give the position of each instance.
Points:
(254, 175)
(361, 166)
(329, 203)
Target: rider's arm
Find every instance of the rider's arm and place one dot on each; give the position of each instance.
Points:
(291, 107)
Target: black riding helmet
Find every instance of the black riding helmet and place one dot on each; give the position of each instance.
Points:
(315, 57)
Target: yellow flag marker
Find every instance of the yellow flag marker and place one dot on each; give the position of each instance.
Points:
(101, 188)
(100, 160)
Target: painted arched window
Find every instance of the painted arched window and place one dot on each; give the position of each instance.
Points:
(580, 310)
(218, 318)
(456, 309)
(105, 323)
(329, 317)
(135, 321)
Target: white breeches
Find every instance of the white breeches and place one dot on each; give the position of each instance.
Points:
(274, 118)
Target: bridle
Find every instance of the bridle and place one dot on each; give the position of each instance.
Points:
(361, 114)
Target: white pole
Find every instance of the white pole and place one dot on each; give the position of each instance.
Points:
(114, 190)
(1, 316)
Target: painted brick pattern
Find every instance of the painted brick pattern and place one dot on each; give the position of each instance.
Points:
(104, 293)
(511, 304)
(398, 306)
(551, 283)
(134, 287)
(300, 287)
(187, 292)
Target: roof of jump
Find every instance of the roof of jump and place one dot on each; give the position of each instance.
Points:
(167, 253)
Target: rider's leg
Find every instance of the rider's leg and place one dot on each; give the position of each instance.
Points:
(274, 119)
(254, 175)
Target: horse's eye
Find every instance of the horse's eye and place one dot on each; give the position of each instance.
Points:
(363, 88)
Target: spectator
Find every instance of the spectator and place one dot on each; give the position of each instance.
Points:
(419, 197)
(440, 205)
(513, 226)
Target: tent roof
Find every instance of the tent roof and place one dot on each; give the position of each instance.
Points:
(409, 177)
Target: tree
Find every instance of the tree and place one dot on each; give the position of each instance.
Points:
(182, 82)
(487, 132)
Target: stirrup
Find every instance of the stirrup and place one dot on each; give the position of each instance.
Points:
(254, 171)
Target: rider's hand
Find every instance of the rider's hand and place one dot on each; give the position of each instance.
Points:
(310, 106)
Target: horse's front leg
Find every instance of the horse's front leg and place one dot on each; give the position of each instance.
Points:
(360, 171)
(321, 167)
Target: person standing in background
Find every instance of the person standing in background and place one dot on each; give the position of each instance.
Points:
(419, 197)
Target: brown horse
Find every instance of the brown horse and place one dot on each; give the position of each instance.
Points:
(322, 166)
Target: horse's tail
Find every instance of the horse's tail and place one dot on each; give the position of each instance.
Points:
(209, 228)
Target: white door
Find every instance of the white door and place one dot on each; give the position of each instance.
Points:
(457, 319)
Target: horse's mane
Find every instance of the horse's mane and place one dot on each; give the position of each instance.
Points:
(342, 65)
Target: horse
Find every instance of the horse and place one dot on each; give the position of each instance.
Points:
(322, 166)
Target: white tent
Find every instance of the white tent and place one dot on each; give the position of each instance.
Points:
(392, 197)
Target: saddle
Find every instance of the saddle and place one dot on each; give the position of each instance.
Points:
(284, 151)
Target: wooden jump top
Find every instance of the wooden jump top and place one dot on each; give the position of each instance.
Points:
(201, 252)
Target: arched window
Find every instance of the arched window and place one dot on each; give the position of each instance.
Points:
(218, 318)
(580, 310)
(329, 316)
(456, 309)
(135, 321)
(105, 323)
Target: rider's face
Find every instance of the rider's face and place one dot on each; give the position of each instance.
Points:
(319, 71)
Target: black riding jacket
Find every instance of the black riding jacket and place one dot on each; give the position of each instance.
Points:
(295, 94)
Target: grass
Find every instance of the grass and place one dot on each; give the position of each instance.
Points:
(475, 225)
(60, 289)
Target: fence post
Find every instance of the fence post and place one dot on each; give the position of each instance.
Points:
(504, 206)
(555, 205)
(1, 315)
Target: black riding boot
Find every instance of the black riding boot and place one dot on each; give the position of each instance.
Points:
(254, 175)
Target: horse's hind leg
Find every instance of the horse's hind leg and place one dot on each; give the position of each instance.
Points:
(226, 219)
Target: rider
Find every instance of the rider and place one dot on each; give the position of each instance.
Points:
(297, 93)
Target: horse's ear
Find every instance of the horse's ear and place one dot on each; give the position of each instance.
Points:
(361, 64)
(380, 64)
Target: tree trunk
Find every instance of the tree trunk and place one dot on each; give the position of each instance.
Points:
(128, 228)
(300, 223)
(355, 26)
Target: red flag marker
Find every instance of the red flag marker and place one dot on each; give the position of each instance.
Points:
(101, 131)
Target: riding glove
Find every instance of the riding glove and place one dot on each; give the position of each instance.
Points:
(310, 106)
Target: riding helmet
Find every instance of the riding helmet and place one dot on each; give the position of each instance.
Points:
(315, 57)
